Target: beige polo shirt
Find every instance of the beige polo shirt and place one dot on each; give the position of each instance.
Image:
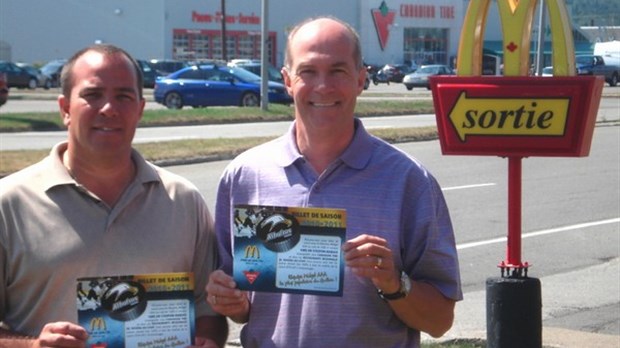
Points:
(53, 231)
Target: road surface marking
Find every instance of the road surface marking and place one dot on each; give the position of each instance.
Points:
(539, 233)
(468, 186)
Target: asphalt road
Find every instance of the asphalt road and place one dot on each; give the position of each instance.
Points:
(570, 223)
(571, 232)
(42, 101)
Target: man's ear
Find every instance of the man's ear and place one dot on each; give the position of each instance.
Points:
(287, 80)
(142, 106)
(361, 80)
(63, 105)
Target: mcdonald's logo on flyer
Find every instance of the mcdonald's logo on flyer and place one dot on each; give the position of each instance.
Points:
(97, 324)
(252, 251)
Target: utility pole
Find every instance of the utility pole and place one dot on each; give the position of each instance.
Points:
(264, 87)
(224, 54)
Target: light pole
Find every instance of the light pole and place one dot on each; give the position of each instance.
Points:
(264, 72)
(224, 54)
(540, 53)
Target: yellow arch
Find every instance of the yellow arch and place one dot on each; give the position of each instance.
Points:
(469, 59)
(516, 20)
(563, 46)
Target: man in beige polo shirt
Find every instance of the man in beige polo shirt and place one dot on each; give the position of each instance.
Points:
(95, 207)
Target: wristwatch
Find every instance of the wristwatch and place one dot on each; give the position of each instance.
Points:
(405, 287)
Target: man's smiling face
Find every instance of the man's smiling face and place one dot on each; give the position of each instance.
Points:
(323, 77)
(104, 106)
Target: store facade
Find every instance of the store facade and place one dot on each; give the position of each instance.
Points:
(391, 31)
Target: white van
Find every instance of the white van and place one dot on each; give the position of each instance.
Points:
(610, 51)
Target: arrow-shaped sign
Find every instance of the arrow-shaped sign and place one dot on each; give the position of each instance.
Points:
(383, 18)
(504, 116)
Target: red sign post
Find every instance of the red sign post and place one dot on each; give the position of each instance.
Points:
(515, 116)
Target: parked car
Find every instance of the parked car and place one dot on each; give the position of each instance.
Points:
(240, 61)
(16, 76)
(4, 89)
(149, 74)
(597, 65)
(419, 78)
(164, 67)
(52, 70)
(213, 85)
(548, 71)
(42, 79)
(274, 74)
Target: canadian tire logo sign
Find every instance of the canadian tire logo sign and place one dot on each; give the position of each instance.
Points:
(383, 18)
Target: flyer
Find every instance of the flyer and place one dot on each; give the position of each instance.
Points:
(289, 249)
(141, 311)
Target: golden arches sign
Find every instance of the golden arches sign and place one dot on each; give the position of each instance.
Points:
(516, 114)
(516, 18)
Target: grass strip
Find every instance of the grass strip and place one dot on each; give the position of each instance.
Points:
(47, 121)
(201, 150)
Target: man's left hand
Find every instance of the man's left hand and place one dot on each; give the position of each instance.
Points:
(371, 257)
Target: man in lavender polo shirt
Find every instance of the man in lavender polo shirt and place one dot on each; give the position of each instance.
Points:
(401, 275)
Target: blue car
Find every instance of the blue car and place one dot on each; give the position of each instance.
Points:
(213, 85)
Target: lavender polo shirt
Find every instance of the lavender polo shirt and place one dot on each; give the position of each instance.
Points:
(385, 193)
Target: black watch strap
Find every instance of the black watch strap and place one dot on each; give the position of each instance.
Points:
(393, 296)
(403, 290)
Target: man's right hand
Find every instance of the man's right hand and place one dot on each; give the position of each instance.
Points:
(62, 334)
(53, 335)
(226, 299)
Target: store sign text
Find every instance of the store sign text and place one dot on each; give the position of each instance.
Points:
(217, 18)
(426, 11)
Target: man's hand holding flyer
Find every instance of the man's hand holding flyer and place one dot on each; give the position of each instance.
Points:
(289, 249)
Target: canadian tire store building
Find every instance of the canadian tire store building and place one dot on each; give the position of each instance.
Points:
(391, 31)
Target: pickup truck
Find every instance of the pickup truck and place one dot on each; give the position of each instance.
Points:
(595, 65)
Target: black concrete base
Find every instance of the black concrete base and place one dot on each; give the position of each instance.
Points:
(514, 313)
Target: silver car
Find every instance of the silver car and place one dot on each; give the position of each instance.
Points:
(419, 78)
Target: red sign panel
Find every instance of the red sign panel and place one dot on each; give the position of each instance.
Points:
(516, 116)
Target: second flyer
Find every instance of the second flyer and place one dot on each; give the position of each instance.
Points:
(289, 249)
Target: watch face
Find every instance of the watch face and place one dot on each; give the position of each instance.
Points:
(405, 286)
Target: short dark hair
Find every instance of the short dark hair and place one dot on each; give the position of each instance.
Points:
(357, 46)
(66, 76)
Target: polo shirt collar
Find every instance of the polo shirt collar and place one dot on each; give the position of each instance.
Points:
(59, 175)
(356, 155)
